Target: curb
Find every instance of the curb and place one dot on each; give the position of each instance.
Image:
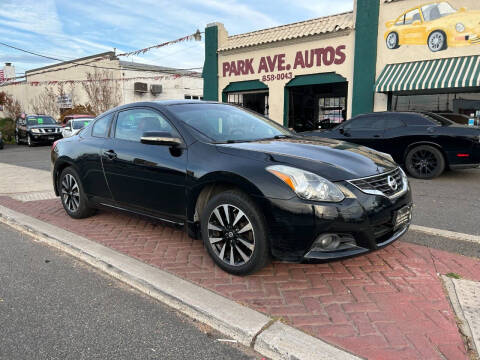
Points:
(446, 234)
(249, 327)
(462, 322)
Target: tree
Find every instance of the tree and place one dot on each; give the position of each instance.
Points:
(47, 102)
(102, 92)
(11, 106)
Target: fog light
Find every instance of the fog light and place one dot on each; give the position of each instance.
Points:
(333, 242)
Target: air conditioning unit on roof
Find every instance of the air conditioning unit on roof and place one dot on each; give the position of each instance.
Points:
(156, 89)
(140, 87)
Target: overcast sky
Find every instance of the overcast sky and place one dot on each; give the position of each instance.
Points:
(72, 29)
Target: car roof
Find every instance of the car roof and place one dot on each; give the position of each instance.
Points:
(79, 116)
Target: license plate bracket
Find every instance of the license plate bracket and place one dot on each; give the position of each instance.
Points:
(402, 217)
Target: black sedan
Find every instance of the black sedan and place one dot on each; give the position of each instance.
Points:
(37, 129)
(425, 143)
(247, 186)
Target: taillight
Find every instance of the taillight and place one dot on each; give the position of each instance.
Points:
(54, 144)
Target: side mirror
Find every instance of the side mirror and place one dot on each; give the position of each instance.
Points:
(160, 138)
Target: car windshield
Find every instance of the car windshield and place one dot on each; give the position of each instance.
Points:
(436, 11)
(226, 123)
(40, 120)
(79, 124)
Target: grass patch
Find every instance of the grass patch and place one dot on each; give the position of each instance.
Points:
(453, 275)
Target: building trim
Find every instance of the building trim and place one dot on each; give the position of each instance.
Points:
(108, 53)
(365, 56)
(210, 66)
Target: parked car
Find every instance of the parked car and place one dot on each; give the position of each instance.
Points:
(74, 126)
(437, 25)
(67, 118)
(425, 143)
(36, 129)
(458, 118)
(1, 141)
(248, 187)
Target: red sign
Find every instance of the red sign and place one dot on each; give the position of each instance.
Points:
(319, 57)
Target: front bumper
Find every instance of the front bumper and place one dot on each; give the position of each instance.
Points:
(43, 138)
(295, 224)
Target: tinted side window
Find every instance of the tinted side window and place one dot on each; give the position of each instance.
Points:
(132, 124)
(393, 123)
(365, 122)
(418, 121)
(101, 126)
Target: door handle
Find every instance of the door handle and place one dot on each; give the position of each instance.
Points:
(110, 154)
(376, 136)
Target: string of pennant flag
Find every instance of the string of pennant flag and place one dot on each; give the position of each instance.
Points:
(55, 82)
(197, 36)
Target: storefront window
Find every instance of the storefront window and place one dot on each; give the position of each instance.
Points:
(253, 100)
(314, 107)
(460, 103)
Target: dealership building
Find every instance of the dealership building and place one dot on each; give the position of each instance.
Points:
(397, 55)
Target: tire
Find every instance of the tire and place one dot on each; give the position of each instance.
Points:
(437, 41)
(425, 162)
(72, 195)
(243, 231)
(17, 139)
(29, 141)
(392, 41)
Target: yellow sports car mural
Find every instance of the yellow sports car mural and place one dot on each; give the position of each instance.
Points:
(437, 25)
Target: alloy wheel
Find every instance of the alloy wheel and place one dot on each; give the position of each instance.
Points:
(436, 41)
(17, 140)
(70, 193)
(231, 235)
(424, 162)
(29, 140)
(392, 40)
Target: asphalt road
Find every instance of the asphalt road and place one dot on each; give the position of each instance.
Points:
(37, 157)
(55, 307)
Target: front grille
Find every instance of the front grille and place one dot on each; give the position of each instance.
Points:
(380, 183)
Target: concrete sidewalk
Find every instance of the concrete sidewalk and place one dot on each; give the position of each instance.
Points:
(388, 304)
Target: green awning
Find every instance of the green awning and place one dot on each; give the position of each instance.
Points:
(448, 73)
(249, 85)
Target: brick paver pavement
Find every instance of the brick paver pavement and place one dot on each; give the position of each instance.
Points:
(389, 304)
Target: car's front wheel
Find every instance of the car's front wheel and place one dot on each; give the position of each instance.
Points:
(425, 162)
(392, 41)
(437, 41)
(73, 197)
(29, 141)
(234, 233)
(17, 139)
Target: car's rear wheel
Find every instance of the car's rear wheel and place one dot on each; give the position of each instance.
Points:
(425, 162)
(73, 197)
(392, 41)
(437, 41)
(234, 233)
(17, 139)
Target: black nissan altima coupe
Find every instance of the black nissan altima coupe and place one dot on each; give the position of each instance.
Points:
(248, 187)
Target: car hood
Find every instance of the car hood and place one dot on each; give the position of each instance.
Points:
(333, 159)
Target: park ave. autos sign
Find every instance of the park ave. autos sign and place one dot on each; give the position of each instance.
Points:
(64, 101)
(266, 65)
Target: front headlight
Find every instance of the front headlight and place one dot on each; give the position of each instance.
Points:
(388, 156)
(307, 185)
(36, 131)
(460, 27)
